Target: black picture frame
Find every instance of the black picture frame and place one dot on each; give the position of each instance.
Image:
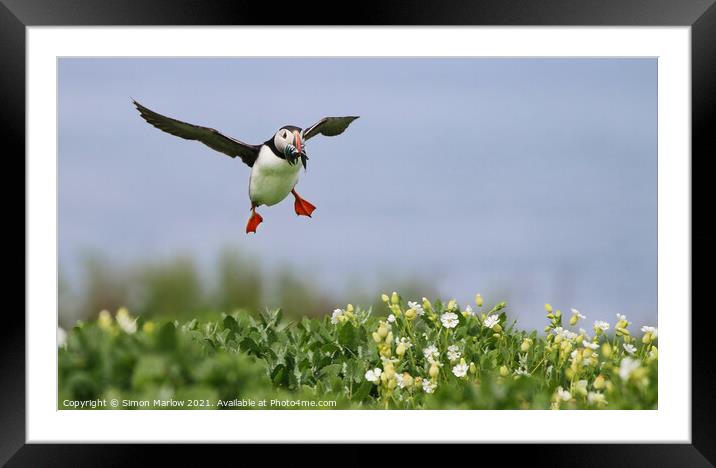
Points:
(700, 15)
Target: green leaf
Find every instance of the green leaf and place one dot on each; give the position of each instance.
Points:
(279, 376)
(250, 345)
(330, 348)
(363, 391)
(166, 338)
(331, 370)
(231, 324)
(348, 336)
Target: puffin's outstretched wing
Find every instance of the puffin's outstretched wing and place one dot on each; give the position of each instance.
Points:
(328, 126)
(210, 137)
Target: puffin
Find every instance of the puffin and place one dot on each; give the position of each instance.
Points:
(275, 164)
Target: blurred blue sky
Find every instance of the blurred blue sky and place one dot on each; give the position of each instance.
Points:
(532, 180)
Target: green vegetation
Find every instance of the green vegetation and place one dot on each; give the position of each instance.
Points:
(177, 288)
(422, 355)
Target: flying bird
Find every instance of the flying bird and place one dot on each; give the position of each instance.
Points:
(274, 164)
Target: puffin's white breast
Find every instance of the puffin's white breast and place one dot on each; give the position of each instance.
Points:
(272, 178)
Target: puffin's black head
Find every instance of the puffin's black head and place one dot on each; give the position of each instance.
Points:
(288, 141)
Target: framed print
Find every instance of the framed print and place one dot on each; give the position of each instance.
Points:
(477, 220)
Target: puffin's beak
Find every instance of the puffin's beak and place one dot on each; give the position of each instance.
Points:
(299, 143)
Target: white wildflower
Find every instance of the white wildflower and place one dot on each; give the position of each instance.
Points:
(399, 379)
(576, 312)
(627, 366)
(652, 330)
(468, 310)
(621, 317)
(125, 321)
(629, 348)
(449, 320)
(335, 315)
(429, 386)
(601, 325)
(521, 371)
(404, 341)
(522, 359)
(373, 375)
(563, 394)
(418, 308)
(61, 337)
(564, 333)
(596, 398)
(589, 344)
(491, 321)
(391, 318)
(460, 370)
(431, 353)
(453, 353)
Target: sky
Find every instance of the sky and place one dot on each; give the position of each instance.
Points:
(530, 180)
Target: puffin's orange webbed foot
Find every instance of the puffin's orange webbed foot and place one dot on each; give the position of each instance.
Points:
(302, 206)
(254, 221)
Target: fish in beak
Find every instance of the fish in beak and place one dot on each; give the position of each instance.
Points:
(298, 138)
(299, 144)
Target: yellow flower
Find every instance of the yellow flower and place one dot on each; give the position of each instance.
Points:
(148, 327)
(104, 320)
(565, 348)
(526, 344)
(504, 371)
(349, 311)
(410, 314)
(607, 350)
(599, 382)
(385, 298)
(394, 298)
(654, 353)
(581, 387)
(384, 350)
(400, 349)
(548, 308)
(407, 380)
(478, 300)
(434, 370)
(452, 305)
